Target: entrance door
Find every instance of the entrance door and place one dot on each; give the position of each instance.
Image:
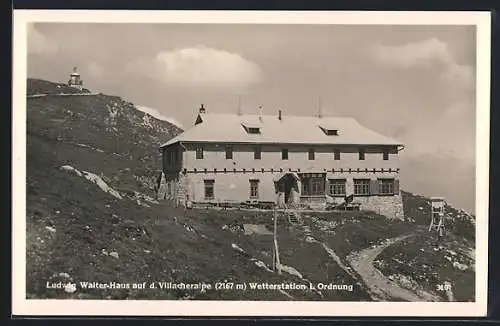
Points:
(288, 184)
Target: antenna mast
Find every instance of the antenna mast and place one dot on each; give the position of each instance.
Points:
(320, 111)
(240, 112)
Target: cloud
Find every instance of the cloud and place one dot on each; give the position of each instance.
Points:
(451, 133)
(95, 70)
(40, 44)
(199, 66)
(426, 53)
(441, 175)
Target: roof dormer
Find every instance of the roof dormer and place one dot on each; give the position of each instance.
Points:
(330, 132)
(251, 128)
(329, 129)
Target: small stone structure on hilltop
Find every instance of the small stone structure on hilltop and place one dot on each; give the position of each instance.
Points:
(75, 80)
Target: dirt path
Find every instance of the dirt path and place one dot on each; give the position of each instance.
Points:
(381, 288)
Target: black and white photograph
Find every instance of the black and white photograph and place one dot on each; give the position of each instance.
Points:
(200, 163)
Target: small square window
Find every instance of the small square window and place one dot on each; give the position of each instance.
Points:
(229, 153)
(284, 154)
(361, 154)
(311, 154)
(336, 155)
(199, 153)
(254, 189)
(257, 153)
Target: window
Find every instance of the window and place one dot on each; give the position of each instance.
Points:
(386, 186)
(257, 153)
(361, 186)
(199, 153)
(254, 189)
(336, 155)
(284, 154)
(386, 155)
(229, 153)
(336, 187)
(209, 189)
(332, 132)
(254, 130)
(317, 186)
(313, 185)
(361, 154)
(311, 154)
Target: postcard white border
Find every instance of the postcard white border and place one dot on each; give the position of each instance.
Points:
(22, 306)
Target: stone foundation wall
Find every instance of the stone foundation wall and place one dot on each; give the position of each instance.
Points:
(173, 186)
(389, 206)
(180, 195)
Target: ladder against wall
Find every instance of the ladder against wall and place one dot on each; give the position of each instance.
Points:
(437, 214)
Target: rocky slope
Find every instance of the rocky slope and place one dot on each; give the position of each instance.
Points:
(92, 163)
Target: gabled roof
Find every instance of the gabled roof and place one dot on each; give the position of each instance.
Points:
(227, 127)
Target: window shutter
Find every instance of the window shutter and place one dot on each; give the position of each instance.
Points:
(373, 187)
(396, 186)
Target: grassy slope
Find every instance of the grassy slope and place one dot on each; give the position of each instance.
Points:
(160, 242)
(88, 221)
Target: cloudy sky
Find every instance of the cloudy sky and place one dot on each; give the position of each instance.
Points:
(412, 83)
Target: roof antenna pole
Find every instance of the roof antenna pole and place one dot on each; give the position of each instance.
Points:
(320, 112)
(240, 112)
(260, 113)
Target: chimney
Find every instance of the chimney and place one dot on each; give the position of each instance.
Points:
(279, 115)
(202, 109)
(261, 118)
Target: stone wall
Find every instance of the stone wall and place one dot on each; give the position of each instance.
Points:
(173, 186)
(181, 190)
(389, 206)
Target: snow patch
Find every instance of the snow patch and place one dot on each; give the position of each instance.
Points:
(261, 264)
(94, 179)
(90, 147)
(156, 114)
(290, 270)
(101, 184)
(72, 169)
(236, 247)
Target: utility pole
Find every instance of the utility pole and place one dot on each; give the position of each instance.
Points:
(276, 254)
